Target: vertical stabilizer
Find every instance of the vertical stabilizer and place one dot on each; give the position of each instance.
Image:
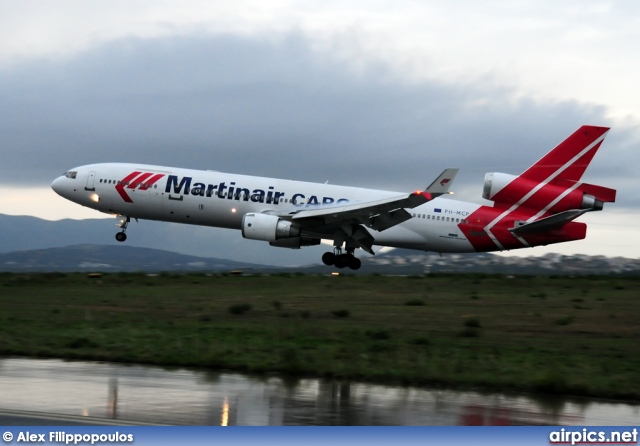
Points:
(569, 159)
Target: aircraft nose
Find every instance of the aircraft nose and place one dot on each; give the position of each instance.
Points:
(57, 185)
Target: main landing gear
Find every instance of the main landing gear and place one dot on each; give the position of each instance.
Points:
(340, 260)
(123, 222)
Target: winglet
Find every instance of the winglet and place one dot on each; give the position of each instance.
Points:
(441, 184)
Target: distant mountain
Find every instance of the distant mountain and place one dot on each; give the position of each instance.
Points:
(22, 233)
(33, 244)
(123, 258)
(113, 259)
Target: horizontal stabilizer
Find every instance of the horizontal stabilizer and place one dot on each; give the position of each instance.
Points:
(548, 223)
(604, 194)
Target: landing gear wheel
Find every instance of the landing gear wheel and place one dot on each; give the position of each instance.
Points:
(341, 261)
(328, 258)
(123, 222)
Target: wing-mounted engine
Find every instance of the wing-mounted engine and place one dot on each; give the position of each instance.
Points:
(268, 228)
(555, 195)
(275, 230)
(296, 242)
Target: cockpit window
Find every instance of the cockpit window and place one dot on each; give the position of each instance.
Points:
(71, 174)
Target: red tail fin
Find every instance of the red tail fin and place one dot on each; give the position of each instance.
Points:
(539, 206)
(570, 158)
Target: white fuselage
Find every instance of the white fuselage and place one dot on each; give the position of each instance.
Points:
(219, 199)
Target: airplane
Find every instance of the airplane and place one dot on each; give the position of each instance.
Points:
(537, 207)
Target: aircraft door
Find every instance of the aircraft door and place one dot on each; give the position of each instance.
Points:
(91, 181)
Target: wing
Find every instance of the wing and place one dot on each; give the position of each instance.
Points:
(347, 222)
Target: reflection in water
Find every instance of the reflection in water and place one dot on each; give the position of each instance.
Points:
(225, 413)
(113, 397)
(155, 395)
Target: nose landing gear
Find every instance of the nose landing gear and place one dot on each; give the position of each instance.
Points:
(123, 222)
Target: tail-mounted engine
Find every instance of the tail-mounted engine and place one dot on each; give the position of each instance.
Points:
(557, 194)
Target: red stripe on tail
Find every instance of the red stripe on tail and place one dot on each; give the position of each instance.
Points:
(569, 159)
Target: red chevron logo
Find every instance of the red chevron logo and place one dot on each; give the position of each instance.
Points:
(136, 180)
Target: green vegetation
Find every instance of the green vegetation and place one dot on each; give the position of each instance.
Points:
(238, 309)
(572, 336)
(341, 313)
(472, 323)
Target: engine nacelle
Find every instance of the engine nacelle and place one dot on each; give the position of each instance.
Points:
(494, 182)
(506, 190)
(295, 242)
(269, 228)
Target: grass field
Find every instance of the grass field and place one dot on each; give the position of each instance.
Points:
(570, 336)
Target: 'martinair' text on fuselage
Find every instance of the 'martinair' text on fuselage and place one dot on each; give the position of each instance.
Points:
(235, 192)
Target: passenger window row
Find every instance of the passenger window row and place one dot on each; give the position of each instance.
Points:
(126, 183)
(441, 218)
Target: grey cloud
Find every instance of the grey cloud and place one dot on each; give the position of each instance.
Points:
(272, 107)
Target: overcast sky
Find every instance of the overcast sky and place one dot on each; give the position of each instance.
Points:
(381, 94)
